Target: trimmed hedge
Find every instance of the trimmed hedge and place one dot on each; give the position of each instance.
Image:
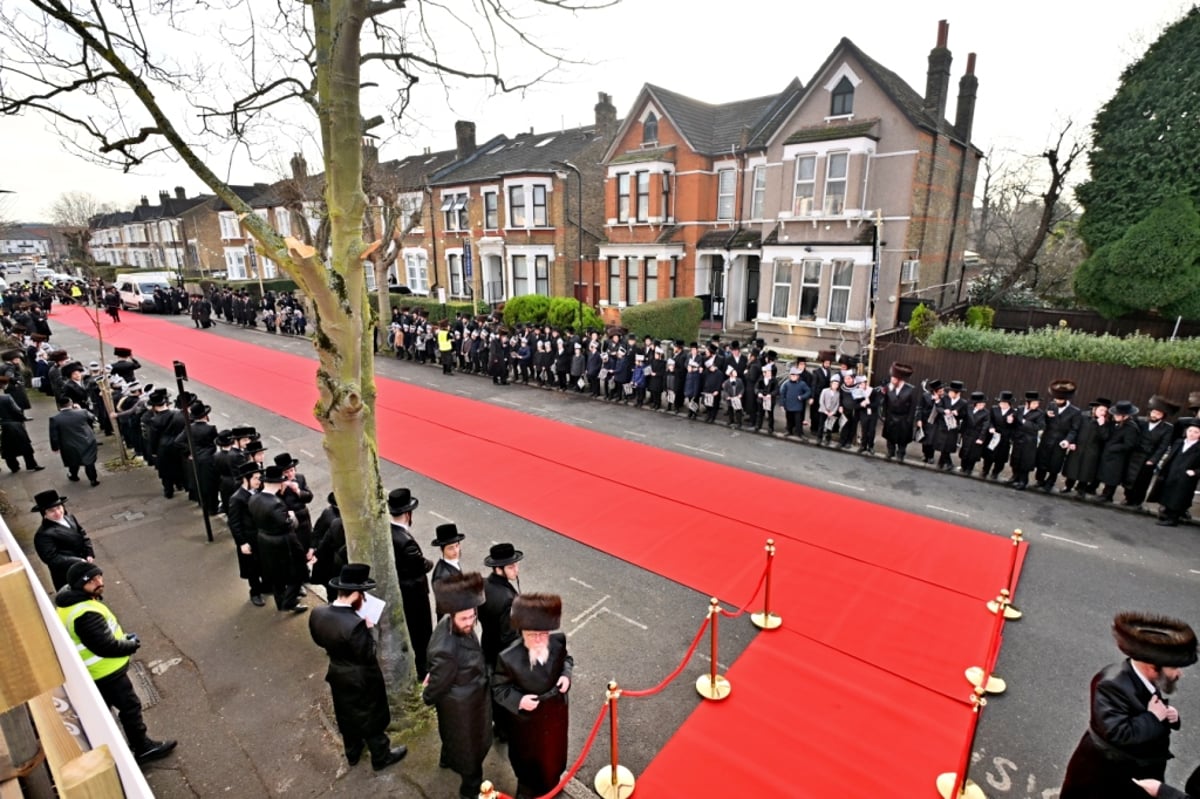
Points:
(1063, 344)
(981, 316)
(676, 318)
(559, 312)
(436, 310)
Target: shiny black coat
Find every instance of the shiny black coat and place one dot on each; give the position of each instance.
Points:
(498, 633)
(1117, 450)
(1030, 423)
(60, 547)
(899, 413)
(1083, 464)
(1062, 424)
(411, 568)
(1175, 488)
(279, 552)
(359, 694)
(537, 747)
(1124, 740)
(458, 687)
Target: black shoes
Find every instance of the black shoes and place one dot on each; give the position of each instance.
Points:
(297, 609)
(393, 756)
(154, 750)
(257, 600)
(74, 478)
(94, 483)
(354, 755)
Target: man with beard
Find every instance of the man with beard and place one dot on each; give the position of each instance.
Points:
(531, 682)
(243, 531)
(1063, 421)
(360, 704)
(1129, 735)
(500, 589)
(1178, 476)
(457, 684)
(927, 410)
(60, 540)
(200, 472)
(1153, 440)
(105, 649)
(1083, 458)
(279, 552)
(411, 568)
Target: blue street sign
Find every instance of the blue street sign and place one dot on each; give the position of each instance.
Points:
(467, 260)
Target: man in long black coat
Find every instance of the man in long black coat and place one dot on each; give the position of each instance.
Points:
(1155, 437)
(411, 568)
(1178, 476)
(360, 703)
(1031, 421)
(60, 540)
(1122, 441)
(296, 497)
(279, 551)
(531, 682)
(15, 445)
(1063, 421)
(72, 435)
(899, 411)
(243, 531)
(162, 428)
(1083, 459)
(1129, 735)
(458, 681)
(200, 473)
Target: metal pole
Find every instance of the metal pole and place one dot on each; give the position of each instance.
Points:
(180, 376)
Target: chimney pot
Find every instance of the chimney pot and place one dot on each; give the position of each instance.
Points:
(464, 135)
(606, 114)
(937, 80)
(180, 193)
(964, 113)
(943, 33)
(970, 63)
(299, 167)
(145, 200)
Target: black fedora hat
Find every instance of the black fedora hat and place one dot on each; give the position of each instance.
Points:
(45, 500)
(246, 469)
(243, 431)
(224, 438)
(198, 410)
(447, 534)
(1005, 396)
(354, 577)
(401, 500)
(272, 474)
(255, 446)
(284, 460)
(1124, 408)
(502, 555)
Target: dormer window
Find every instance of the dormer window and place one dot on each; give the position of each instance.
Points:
(650, 129)
(843, 98)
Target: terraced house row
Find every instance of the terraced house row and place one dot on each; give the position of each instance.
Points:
(802, 213)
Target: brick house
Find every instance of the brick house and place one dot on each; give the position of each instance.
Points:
(215, 239)
(501, 220)
(783, 205)
(148, 236)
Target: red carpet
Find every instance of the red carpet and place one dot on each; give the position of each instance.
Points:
(861, 693)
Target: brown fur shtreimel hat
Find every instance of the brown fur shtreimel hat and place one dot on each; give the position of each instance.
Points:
(1158, 640)
(459, 592)
(538, 612)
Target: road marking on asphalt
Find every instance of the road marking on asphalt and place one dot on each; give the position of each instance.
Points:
(503, 401)
(440, 516)
(705, 451)
(581, 582)
(594, 605)
(580, 420)
(597, 612)
(756, 463)
(633, 433)
(947, 510)
(707, 659)
(307, 454)
(223, 414)
(634, 622)
(858, 488)
(1069, 541)
(1194, 571)
(277, 439)
(462, 391)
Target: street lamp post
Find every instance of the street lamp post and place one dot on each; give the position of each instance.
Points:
(578, 238)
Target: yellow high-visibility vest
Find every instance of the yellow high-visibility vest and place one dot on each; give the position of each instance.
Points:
(97, 666)
(443, 340)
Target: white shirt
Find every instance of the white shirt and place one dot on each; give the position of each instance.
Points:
(1151, 687)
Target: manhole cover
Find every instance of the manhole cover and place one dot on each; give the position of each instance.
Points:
(143, 686)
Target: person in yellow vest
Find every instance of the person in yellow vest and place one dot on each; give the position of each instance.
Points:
(445, 348)
(105, 650)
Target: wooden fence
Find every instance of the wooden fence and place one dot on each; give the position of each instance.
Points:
(1022, 319)
(991, 373)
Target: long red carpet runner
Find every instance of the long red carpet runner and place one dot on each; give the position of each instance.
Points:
(860, 694)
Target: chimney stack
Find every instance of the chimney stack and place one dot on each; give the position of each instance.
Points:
(145, 201)
(370, 155)
(464, 134)
(606, 115)
(937, 81)
(964, 115)
(163, 197)
(180, 194)
(299, 167)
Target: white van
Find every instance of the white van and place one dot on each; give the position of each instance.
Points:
(137, 289)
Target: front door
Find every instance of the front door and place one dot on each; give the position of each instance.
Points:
(716, 286)
(752, 288)
(493, 279)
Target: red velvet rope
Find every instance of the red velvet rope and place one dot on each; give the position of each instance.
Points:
(587, 747)
(678, 669)
(740, 611)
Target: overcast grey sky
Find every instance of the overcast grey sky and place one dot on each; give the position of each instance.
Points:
(1039, 64)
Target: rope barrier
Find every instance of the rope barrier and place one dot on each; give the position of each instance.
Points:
(742, 610)
(587, 747)
(678, 669)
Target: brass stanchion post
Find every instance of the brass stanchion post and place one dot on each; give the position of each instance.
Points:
(981, 676)
(1003, 602)
(767, 620)
(487, 790)
(712, 685)
(614, 781)
(956, 783)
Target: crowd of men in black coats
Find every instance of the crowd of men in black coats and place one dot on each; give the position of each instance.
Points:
(278, 312)
(1038, 440)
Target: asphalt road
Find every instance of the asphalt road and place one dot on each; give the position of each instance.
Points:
(1084, 564)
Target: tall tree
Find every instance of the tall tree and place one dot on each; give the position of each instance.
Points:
(74, 211)
(1146, 139)
(108, 75)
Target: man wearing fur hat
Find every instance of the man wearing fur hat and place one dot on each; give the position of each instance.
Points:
(1153, 439)
(1061, 435)
(531, 682)
(457, 684)
(360, 703)
(1129, 735)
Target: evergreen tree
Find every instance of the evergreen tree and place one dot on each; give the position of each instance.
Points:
(1146, 145)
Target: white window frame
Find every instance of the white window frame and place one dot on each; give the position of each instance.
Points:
(229, 226)
(493, 223)
(804, 187)
(633, 281)
(518, 213)
(416, 271)
(758, 191)
(642, 190)
(834, 202)
(781, 268)
(650, 278)
(454, 272)
(541, 275)
(519, 265)
(624, 187)
(614, 280)
(842, 267)
(806, 265)
(726, 194)
(283, 221)
(539, 212)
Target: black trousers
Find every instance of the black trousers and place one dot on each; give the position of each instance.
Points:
(88, 468)
(118, 693)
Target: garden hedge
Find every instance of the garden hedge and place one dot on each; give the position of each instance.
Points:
(673, 319)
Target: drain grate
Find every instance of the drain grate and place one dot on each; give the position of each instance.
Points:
(143, 686)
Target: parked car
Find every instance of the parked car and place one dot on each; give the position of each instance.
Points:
(220, 274)
(12, 268)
